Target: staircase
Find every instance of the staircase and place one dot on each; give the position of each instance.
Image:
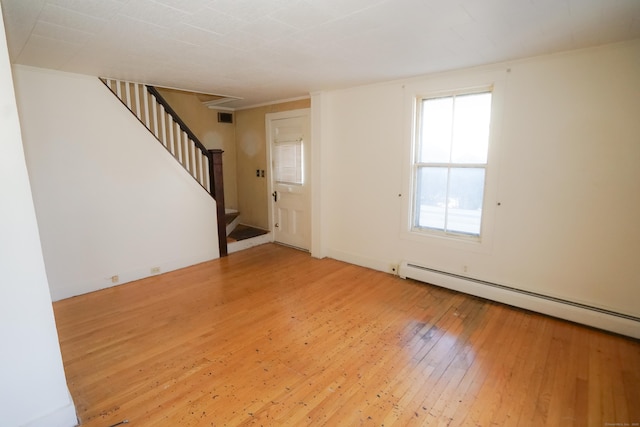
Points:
(205, 166)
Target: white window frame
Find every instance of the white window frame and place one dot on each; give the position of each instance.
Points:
(416, 165)
(437, 86)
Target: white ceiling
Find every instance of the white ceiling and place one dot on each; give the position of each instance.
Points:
(266, 50)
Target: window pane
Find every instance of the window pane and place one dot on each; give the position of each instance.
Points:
(287, 162)
(466, 190)
(431, 197)
(471, 128)
(435, 132)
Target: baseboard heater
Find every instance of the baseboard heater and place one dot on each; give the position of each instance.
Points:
(576, 312)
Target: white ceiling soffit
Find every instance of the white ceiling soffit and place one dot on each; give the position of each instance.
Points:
(218, 102)
(266, 50)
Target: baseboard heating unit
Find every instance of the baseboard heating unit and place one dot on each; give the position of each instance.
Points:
(576, 312)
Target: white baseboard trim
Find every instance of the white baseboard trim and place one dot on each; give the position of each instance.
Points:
(97, 284)
(351, 258)
(580, 313)
(61, 417)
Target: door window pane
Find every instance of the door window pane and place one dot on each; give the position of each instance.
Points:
(287, 162)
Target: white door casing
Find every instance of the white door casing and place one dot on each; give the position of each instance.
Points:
(288, 135)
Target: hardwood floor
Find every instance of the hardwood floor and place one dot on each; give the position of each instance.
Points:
(270, 336)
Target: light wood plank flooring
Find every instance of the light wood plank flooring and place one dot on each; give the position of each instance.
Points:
(270, 336)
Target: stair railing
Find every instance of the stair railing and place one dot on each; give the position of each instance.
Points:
(155, 113)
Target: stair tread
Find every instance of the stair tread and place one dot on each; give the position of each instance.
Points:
(243, 232)
(229, 217)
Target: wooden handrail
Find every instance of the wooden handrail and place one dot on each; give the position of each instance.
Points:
(153, 91)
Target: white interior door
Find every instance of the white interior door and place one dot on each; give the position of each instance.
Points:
(290, 187)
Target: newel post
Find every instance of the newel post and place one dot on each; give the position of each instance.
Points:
(216, 187)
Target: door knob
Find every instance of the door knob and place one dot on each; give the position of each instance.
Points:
(275, 196)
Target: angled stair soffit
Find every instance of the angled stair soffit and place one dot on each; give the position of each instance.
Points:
(209, 100)
(216, 101)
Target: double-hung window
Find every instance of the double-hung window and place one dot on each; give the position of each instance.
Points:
(450, 163)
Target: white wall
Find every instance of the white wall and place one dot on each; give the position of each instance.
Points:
(33, 388)
(110, 200)
(566, 172)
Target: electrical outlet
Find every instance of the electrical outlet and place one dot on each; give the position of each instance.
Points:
(155, 270)
(115, 279)
(393, 269)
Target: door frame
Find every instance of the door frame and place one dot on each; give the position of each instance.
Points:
(269, 117)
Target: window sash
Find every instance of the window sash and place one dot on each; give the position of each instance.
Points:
(452, 201)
